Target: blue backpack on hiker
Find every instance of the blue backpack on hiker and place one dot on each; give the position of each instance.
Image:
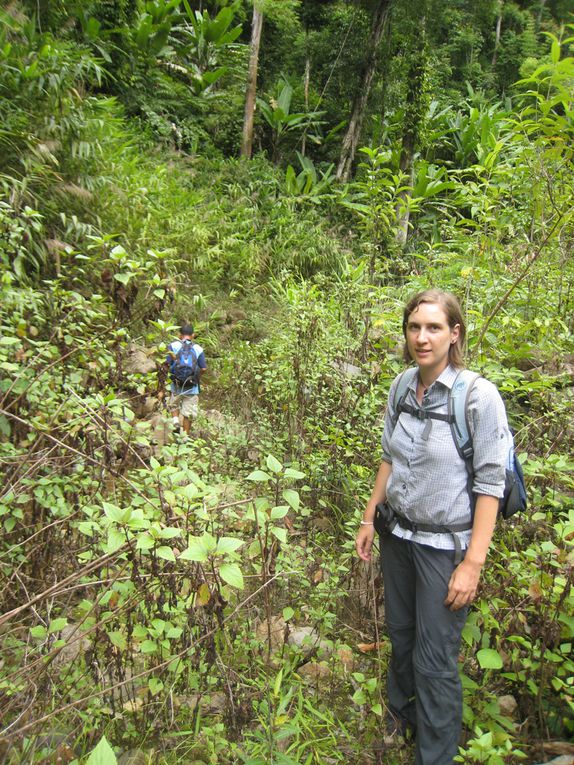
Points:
(514, 499)
(185, 366)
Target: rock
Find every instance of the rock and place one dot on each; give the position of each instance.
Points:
(558, 747)
(161, 428)
(304, 637)
(315, 671)
(345, 655)
(273, 630)
(76, 645)
(133, 757)
(507, 705)
(137, 361)
(346, 369)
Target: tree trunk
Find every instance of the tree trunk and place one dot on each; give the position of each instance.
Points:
(497, 33)
(415, 111)
(251, 92)
(353, 134)
(306, 93)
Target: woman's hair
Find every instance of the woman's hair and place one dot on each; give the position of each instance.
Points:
(451, 307)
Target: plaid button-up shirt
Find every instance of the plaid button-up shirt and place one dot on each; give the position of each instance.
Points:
(428, 481)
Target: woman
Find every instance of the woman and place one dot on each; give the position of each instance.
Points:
(425, 482)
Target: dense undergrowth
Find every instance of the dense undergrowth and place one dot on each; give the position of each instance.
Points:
(200, 600)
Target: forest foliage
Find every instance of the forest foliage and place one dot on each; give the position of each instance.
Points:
(200, 600)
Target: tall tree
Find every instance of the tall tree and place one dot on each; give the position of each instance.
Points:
(355, 126)
(251, 90)
(416, 106)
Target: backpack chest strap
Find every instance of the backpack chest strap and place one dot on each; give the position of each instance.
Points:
(423, 414)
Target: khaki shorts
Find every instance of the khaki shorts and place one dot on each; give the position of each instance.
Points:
(187, 405)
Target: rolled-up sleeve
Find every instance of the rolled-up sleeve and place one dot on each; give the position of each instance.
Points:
(491, 438)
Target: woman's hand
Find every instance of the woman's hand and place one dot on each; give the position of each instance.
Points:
(364, 541)
(463, 585)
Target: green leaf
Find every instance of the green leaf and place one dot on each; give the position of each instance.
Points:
(115, 540)
(228, 545)
(115, 513)
(273, 464)
(292, 498)
(288, 613)
(56, 625)
(280, 533)
(148, 646)
(488, 658)
(199, 548)
(166, 553)
(231, 573)
(279, 512)
(259, 475)
(144, 542)
(291, 473)
(170, 532)
(103, 754)
(39, 632)
(155, 685)
(118, 639)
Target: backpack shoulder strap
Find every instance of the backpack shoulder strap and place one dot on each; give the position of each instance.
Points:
(458, 412)
(403, 384)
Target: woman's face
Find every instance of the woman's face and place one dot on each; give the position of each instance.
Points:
(429, 338)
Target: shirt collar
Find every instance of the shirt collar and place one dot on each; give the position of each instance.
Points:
(446, 378)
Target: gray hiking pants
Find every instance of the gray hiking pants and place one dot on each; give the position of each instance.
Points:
(423, 684)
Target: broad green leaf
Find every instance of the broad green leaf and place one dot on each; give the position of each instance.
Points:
(144, 542)
(259, 475)
(103, 754)
(279, 512)
(231, 573)
(488, 658)
(228, 545)
(169, 532)
(291, 473)
(155, 685)
(292, 498)
(280, 533)
(56, 625)
(195, 551)
(39, 632)
(148, 646)
(123, 278)
(118, 639)
(166, 553)
(115, 513)
(199, 548)
(288, 613)
(115, 540)
(273, 464)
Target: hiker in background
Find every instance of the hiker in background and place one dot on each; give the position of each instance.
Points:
(186, 361)
(439, 524)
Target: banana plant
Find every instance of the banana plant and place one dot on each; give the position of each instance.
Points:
(277, 114)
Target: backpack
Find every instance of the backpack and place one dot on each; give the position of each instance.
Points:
(514, 498)
(185, 367)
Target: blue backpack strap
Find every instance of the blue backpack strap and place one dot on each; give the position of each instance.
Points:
(458, 413)
(459, 426)
(401, 391)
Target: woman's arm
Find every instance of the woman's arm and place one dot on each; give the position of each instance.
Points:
(364, 540)
(464, 580)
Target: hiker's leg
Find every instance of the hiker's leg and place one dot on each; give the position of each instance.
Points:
(400, 599)
(189, 410)
(438, 691)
